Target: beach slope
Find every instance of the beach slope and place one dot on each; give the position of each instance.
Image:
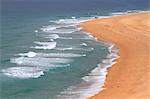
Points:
(129, 78)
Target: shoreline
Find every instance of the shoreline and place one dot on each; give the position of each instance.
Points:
(122, 81)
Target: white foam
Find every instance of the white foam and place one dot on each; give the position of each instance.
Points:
(80, 38)
(67, 28)
(28, 72)
(73, 17)
(68, 21)
(63, 55)
(36, 31)
(108, 61)
(52, 40)
(76, 38)
(112, 49)
(126, 12)
(58, 55)
(84, 44)
(40, 61)
(66, 38)
(112, 55)
(45, 45)
(56, 36)
(49, 28)
(79, 28)
(29, 54)
(118, 13)
(53, 36)
(23, 72)
(74, 48)
(62, 31)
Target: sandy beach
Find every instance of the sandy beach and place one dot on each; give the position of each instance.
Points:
(129, 78)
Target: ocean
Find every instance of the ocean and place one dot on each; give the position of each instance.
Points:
(46, 55)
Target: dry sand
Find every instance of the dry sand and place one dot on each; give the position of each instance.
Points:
(129, 78)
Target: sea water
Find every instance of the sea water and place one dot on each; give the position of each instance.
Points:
(46, 55)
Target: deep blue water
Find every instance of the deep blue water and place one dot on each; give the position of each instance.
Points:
(26, 31)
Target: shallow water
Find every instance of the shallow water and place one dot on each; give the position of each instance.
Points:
(52, 62)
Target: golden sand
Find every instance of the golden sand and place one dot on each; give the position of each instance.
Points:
(129, 78)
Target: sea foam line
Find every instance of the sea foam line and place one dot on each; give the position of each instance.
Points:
(39, 61)
(94, 81)
(23, 72)
(45, 45)
(26, 72)
(55, 55)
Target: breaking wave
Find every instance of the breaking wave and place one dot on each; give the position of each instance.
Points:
(88, 87)
(23, 72)
(39, 61)
(58, 55)
(45, 45)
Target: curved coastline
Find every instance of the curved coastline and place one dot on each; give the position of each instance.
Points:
(128, 78)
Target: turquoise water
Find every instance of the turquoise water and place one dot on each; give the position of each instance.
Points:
(46, 55)
(48, 60)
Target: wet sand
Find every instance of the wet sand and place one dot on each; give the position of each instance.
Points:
(129, 78)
